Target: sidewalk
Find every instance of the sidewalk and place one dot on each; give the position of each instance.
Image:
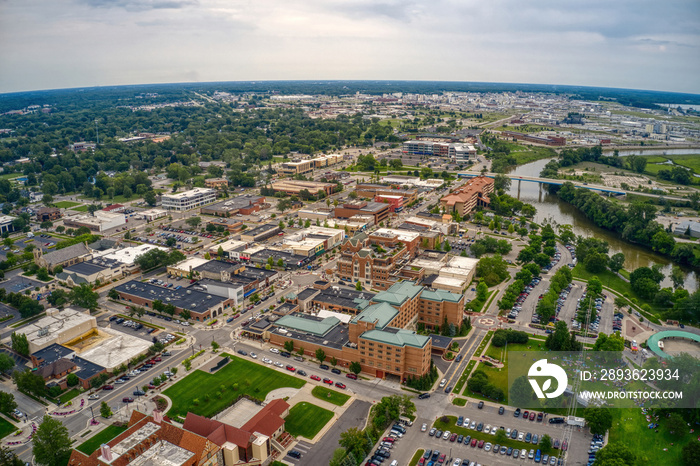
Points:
(23, 435)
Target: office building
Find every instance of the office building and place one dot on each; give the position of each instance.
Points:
(98, 222)
(294, 187)
(187, 200)
(377, 210)
(468, 196)
(216, 183)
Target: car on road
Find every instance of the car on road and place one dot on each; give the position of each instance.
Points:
(315, 377)
(127, 399)
(278, 364)
(516, 413)
(423, 396)
(501, 410)
(526, 414)
(340, 385)
(274, 350)
(290, 368)
(481, 405)
(108, 387)
(539, 417)
(94, 396)
(432, 431)
(242, 353)
(424, 427)
(253, 355)
(266, 360)
(351, 376)
(532, 416)
(335, 371)
(324, 367)
(139, 393)
(328, 381)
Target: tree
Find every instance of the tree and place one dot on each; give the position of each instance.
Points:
(6, 363)
(676, 425)
(170, 242)
(333, 361)
(194, 222)
(599, 420)
(320, 355)
(501, 182)
(284, 204)
(289, 346)
(105, 410)
(7, 403)
(52, 444)
(358, 286)
(8, 458)
(46, 224)
(355, 367)
(616, 453)
(691, 454)
(596, 262)
(616, 262)
(185, 314)
(612, 342)
(354, 441)
(595, 286)
(72, 380)
(83, 296)
(214, 345)
(20, 344)
(150, 198)
(546, 442)
(677, 276)
(482, 291)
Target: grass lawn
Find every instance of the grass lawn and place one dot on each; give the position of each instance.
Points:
(6, 427)
(104, 436)
(306, 419)
(416, 457)
(499, 377)
(69, 395)
(65, 204)
(477, 305)
(691, 161)
(630, 427)
(251, 379)
(331, 396)
(80, 208)
(459, 402)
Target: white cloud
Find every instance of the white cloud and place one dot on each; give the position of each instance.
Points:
(67, 43)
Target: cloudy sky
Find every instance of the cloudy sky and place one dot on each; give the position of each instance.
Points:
(643, 44)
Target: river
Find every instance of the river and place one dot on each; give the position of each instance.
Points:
(550, 207)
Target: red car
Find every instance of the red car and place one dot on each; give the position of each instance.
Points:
(539, 417)
(525, 414)
(158, 359)
(291, 368)
(328, 381)
(532, 416)
(315, 377)
(473, 444)
(108, 387)
(481, 444)
(389, 439)
(453, 437)
(351, 376)
(441, 459)
(127, 399)
(340, 385)
(421, 461)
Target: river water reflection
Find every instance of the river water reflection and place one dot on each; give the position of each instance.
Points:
(560, 213)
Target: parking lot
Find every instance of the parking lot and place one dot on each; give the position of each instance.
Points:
(487, 416)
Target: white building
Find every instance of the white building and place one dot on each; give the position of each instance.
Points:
(99, 222)
(153, 214)
(187, 200)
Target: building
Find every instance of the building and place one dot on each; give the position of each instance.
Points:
(688, 227)
(82, 146)
(186, 268)
(95, 270)
(153, 214)
(294, 187)
(260, 233)
(377, 210)
(48, 214)
(468, 196)
(55, 362)
(367, 190)
(548, 141)
(6, 225)
(229, 290)
(64, 257)
(403, 180)
(100, 221)
(303, 167)
(216, 183)
(230, 249)
(245, 204)
(457, 152)
(320, 215)
(126, 256)
(396, 203)
(201, 306)
(187, 200)
(231, 225)
(154, 441)
(57, 327)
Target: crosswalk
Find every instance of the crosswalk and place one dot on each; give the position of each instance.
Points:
(303, 448)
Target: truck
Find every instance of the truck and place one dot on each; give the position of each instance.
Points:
(576, 421)
(30, 235)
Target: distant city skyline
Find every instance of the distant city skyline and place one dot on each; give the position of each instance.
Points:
(81, 43)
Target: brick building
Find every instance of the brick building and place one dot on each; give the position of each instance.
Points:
(468, 196)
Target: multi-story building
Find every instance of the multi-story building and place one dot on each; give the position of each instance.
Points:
(216, 183)
(100, 221)
(457, 152)
(468, 196)
(371, 190)
(378, 210)
(548, 141)
(187, 200)
(303, 167)
(396, 203)
(297, 186)
(48, 214)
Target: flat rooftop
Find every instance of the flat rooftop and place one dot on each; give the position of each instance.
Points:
(48, 328)
(343, 297)
(128, 255)
(190, 193)
(184, 298)
(335, 336)
(116, 350)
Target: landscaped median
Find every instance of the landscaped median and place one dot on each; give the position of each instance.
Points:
(451, 425)
(416, 457)
(306, 420)
(208, 394)
(6, 427)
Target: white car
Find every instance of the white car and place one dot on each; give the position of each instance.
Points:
(472, 425)
(520, 437)
(274, 350)
(487, 429)
(253, 355)
(446, 435)
(267, 361)
(488, 446)
(523, 454)
(466, 422)
(457, 462)
(424, 427)
(94, 396)
(279, 364)
(443, 382)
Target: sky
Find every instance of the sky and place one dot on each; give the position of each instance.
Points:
(638, 44)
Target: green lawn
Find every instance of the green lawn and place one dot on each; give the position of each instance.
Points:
(306, 419)
(80, 208)
(691, 161)
(416, 457)
(69, 395)
(459, 402)
(6, 427)
(331, 396)
(499, 377)
(630, 427)
(65, 204)
(104, 436)
(249, 378)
